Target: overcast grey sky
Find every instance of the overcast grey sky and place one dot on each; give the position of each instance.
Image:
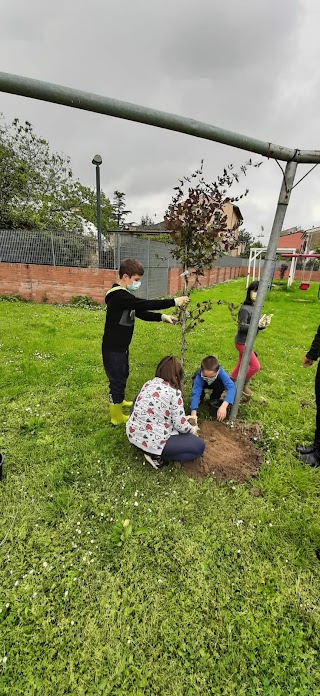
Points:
(247, 65)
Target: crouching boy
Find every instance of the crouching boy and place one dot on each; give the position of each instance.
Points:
(213, 377)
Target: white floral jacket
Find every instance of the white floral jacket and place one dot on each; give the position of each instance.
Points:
(158, 413)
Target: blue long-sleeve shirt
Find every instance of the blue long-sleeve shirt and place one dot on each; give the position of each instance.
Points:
(199, 384)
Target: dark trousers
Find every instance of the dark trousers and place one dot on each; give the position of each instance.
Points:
(183, 448)
(317, 390)
(116, 366)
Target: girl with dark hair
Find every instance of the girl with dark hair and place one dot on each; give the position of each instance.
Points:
(244, 319)
(158, 424)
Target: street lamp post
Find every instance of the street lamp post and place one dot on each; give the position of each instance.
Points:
(97, 161)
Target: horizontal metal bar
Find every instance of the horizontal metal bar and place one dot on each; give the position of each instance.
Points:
(77, 99)
(303, 256)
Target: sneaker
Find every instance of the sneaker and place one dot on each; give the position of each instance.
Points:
(154, 460)
(246, 391)
(305, 449)
(311, 459)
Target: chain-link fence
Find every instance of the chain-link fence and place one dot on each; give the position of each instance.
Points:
(54, 248)
(155, 257)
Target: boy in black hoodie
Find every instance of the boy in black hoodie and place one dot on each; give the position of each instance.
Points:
(122, 308)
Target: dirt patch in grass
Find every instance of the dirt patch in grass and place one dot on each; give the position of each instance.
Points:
(230, 454)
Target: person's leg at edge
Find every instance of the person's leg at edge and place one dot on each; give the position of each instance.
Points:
(311, 453)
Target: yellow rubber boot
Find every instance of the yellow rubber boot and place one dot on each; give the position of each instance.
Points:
(127, 404)
(116, 415)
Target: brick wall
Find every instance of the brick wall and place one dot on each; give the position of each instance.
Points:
(55, 283)
(315, 276)
(213, 276)
(59, 283)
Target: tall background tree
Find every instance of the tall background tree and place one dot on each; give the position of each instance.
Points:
(147, 220)
(119, 208)
(37, 187)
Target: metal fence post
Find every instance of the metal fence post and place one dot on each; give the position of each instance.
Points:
(119, 249)
(148, 268)
(52, 247)
(284, 197)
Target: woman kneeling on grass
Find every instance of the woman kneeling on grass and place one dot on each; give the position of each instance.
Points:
(158, 424)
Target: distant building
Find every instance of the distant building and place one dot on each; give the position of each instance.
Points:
(294, 238)
(234, 219)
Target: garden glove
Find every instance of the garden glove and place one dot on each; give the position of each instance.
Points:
(263, 322)
(195, 430)
(181, 301)
(193, 419)
(169, 319)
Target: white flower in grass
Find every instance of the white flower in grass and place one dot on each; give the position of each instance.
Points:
(239, 551)
(66, 593)
(16, 583)
(84, 558)
(159, 581)
(270, 524)
(7, 606)
(72, 623)
(34, 594)
(136, 503)
(4, 660)
(239, 522)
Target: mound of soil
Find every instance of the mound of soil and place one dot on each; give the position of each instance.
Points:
(230, 453)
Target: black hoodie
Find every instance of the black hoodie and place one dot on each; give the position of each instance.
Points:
(122, 308)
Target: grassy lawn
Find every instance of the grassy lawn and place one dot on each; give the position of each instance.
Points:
(207, 590)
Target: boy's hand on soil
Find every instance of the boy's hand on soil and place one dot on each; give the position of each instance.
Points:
(169, 319)
(221, 413)
(181, 301)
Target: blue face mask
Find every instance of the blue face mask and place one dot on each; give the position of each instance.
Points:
(135, 285)
(209, 380)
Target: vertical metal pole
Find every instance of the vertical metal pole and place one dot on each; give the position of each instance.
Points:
(52, 248)
(119, 248)
(249, 266)
(270, 256)
(148, 269)
(99, 214)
